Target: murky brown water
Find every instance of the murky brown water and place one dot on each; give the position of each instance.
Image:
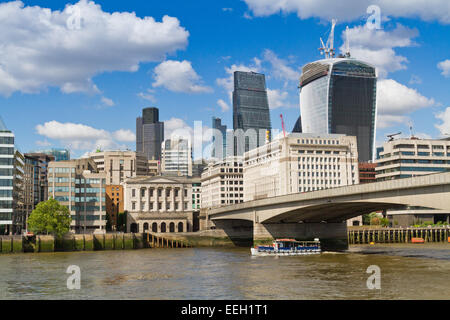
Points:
(407, 272)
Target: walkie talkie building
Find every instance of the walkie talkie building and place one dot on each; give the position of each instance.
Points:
(339, 96)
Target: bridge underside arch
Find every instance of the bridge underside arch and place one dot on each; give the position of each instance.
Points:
(332, 212)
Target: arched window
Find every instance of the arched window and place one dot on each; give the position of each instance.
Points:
(180, 227)
(154, 227)
(172, 227)
(163, 227)
(145, 227)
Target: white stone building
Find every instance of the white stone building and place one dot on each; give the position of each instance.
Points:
(223, 183)
(300, 163)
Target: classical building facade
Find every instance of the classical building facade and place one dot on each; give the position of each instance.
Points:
(223, 183)
(159, 204)
(78, 185)
(300, 163)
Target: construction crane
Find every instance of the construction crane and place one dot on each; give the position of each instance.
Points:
(328, 48)
(391, 136)
(282, 125)
(347, 43)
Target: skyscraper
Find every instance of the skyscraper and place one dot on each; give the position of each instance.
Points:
(149, 134)
(219, 150)
(177, 157)
(250, 111)
(338, 95)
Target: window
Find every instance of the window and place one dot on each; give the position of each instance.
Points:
(133, 193)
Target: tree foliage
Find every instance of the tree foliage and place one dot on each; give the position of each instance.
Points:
(50, 217)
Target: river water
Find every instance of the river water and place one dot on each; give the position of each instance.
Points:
(407, 272)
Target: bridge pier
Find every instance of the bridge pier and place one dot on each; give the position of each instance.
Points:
(333, 236)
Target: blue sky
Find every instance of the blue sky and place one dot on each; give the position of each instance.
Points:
(65, 84)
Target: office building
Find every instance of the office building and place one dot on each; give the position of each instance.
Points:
(367, 172)
(219, 139)
(406, 158)
(338, 96)
(177, 157)
(120, 165)
(159, 204)
(78, 185)
(149, 134)
(300, 163)
(251, 114)
(223, 183)
(59, 154)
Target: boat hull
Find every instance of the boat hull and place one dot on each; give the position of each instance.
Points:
(257, 252)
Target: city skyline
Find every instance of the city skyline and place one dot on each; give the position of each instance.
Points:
(189, 78)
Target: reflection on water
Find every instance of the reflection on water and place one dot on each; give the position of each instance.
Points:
(407, 272)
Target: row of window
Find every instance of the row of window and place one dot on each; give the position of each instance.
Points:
(6, 140)
(61, 170)
(168, 192)
(6, 172)
(6, 151)
(6, 161)
(159, 206)
(81, 218)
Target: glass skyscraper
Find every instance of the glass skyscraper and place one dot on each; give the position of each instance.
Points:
(339, 96)
(250, 111)
(219, 148)
(149, 134)
(59, 154)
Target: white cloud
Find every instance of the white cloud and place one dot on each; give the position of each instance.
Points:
(444, 126)
(223, 105)
(277, 98)
(415, 79)
(147, 95)
(108, 102)
(280, 68)
(178, 77)
(123, 135)
(39, 50)
(396, 101)
(82, 137)
(428, 10)
(445, 67)
(377, 46)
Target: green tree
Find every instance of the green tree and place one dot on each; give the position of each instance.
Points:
(50, 217)
(384, 222)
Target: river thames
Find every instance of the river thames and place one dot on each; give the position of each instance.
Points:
(407, 272)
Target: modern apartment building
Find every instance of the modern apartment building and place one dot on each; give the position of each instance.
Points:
(367, 172)
(177, 157)
(223, 183)
(149, 134)
(78, 185)
(37, 164)
(159, 204)
(338, 96)
(12, 205)
(406, 158)
(251, 114)
(120, 165)
(300, 163)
